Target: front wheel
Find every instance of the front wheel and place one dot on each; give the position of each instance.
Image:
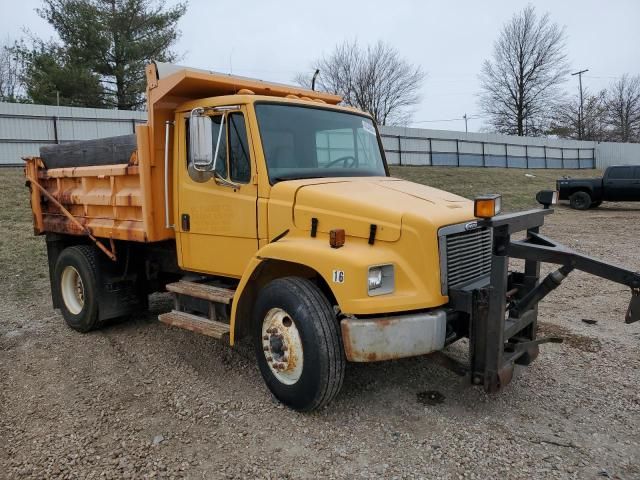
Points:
(297, 343)
(580, 200)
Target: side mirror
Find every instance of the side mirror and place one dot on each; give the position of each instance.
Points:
(200, 141)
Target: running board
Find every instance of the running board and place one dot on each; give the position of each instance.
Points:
(194, 323)
(202, 291)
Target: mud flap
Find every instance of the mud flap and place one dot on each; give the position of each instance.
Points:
(633, 312)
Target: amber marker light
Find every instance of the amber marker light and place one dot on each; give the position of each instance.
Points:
(336, 238)
(487, 206)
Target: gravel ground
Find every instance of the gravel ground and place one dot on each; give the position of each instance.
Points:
(139, 399)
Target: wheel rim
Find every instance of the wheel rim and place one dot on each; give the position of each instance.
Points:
(72, 290)
(282, 346)
(581, 201)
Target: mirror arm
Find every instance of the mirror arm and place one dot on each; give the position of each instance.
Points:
(220, 180)
(215, 155)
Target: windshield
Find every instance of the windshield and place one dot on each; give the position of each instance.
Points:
(306, 142)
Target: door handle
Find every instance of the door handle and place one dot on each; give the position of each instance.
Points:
(186, 222)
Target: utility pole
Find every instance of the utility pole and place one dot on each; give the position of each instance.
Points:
(580, 126)
(466, 130)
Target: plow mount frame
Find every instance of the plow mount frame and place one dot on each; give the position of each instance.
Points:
(502, 309)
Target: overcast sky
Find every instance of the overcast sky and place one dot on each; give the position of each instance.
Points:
(449, 40)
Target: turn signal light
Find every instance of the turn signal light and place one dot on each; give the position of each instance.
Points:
(487, 206)
(336, 238)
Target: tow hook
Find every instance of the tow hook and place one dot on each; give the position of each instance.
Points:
(633, 312)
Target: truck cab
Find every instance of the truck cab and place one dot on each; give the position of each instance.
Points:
(250, 168)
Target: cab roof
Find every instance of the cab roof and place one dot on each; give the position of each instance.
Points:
(243, 99)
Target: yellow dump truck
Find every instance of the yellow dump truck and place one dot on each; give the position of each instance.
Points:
(268, 211)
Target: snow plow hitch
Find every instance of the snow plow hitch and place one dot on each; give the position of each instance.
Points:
(542, 249)
(502, 310)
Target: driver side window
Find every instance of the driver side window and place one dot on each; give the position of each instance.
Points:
(219, 133)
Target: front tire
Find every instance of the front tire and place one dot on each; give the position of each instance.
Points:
(580, 200)
(76, 285)
(297, 343)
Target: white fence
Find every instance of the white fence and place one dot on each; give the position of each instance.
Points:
(417, 146)
(24, 128)
(609, 153)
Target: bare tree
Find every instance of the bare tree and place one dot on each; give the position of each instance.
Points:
(10, 73)
(623, 109)
(565, 122)
(374, 79)
(520, 84)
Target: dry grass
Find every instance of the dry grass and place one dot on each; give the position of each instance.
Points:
(23, 264)
(517, 189)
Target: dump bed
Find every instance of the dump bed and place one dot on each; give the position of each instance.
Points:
(99, 187)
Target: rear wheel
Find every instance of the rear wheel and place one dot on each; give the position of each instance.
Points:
(76, 284)
(580, 200)
(297, 343)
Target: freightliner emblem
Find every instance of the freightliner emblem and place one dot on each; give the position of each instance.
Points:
(471, 226)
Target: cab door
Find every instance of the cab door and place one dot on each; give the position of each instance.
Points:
(619, 183)
(636, 185)
(216, 209)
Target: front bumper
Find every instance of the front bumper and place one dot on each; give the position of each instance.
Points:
(391, 337)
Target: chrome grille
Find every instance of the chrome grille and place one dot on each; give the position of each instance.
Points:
(465, 256)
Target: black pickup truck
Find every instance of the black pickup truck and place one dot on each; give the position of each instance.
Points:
(619, 184)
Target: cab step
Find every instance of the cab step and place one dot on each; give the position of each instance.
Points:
(202, 291)
(194, 323)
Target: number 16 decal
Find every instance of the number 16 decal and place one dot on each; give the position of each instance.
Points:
(338, 276)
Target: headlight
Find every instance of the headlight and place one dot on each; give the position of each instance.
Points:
(375, 278)
(380, 279)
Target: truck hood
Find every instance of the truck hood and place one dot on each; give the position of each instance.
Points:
(356, 203)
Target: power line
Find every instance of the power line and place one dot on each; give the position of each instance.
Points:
(457, 119)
